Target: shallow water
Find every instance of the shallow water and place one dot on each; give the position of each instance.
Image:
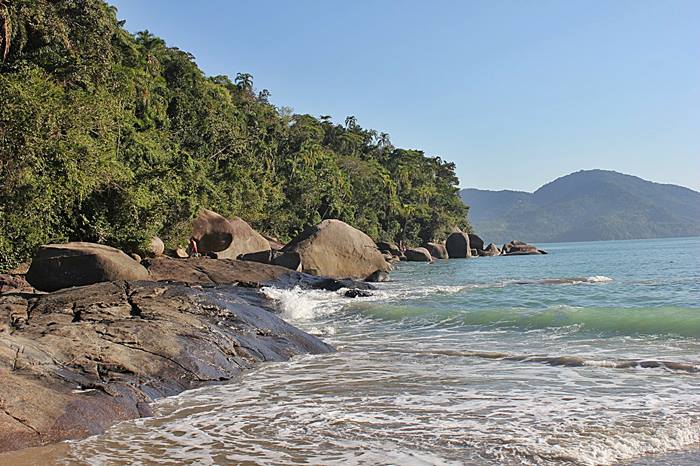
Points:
(588, 355)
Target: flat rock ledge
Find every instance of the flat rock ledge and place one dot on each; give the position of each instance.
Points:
(76, 361)
(206, 271)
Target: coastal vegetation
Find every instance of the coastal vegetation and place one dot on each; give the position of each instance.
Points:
(113, 137)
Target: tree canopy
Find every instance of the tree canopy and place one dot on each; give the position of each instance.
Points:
(113, 137)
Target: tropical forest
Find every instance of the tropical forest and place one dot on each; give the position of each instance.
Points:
(112, 137)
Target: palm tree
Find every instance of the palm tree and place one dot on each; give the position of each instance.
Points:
(350, 122)
(244, 81)
(384, 141)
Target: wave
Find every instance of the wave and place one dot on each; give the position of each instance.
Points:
(574, 361)
(680, 321)
(560, 281)
(405, 305)
(299, 304)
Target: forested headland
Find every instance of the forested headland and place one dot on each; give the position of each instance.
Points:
(112, 137)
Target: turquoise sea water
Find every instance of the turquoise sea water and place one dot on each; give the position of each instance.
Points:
(587, 355)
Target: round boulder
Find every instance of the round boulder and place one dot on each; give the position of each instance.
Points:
(335, 249)
(155, 247)
(222, 238)
(437, 250)
(57, 266)
(475, 242)
(457, 245)
(418, 255)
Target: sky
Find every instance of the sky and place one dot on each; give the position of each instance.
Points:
(515, 93)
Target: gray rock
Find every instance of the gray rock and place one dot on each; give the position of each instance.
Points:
(290, 260)
(418, 255)
(155, 247)
(476, 242)
(492, 250)
(519, 248)
(437, 250)
(263, 257)
(74, 362)
(335, 249)
(226, 239)
(391, 248)
(207, 272)
(57, 266)
(457, 245)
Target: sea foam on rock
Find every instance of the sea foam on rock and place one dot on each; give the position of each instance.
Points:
(76, 361)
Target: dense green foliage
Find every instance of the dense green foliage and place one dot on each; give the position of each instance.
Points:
(111, 137)
(589, 205)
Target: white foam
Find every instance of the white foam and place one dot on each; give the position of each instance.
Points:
(598, 279)
(298, 304)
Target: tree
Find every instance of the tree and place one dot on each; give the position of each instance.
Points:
(112, 137)
(244, 81)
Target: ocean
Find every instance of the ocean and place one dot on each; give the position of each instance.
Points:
(588, 355)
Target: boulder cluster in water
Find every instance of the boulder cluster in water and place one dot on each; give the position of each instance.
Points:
(458, 245)
(90, 335)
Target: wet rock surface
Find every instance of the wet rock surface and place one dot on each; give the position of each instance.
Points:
(76, 361)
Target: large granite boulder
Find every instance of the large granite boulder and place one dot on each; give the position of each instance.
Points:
(222, 238)
(519, 248)
(475, 242)
(335, 249)
(57, 266)
(457, 245)
(74, 362)
(418, 255)
(437, 250)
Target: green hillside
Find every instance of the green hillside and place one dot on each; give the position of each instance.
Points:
(587, 205)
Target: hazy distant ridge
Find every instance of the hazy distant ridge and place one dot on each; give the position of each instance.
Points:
(588, 205)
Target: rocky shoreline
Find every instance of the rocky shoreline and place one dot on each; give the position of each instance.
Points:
(75, 361)
(93, 336)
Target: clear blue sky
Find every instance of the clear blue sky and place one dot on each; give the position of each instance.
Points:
(515, 93)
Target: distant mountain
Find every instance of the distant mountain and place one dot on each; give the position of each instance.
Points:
(588, 205)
